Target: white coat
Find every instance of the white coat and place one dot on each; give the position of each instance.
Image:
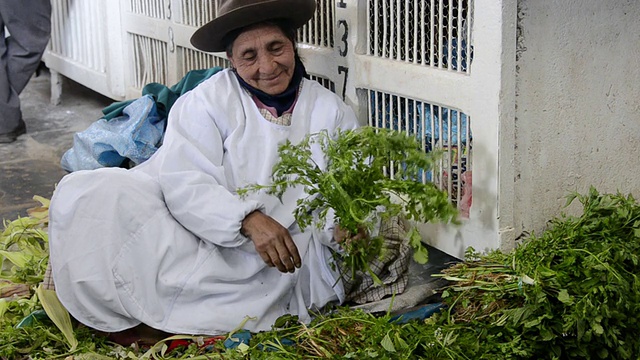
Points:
(160, 244)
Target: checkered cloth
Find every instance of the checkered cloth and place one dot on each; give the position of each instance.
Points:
(47, 281)
(391, 268)
(284, 119)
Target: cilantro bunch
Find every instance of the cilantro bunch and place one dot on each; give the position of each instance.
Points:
(350, 181)
(571, 292)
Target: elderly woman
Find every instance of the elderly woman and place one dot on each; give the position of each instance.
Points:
(169, 243)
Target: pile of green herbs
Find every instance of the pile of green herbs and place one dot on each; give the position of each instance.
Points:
(571, 292)
(351, 183)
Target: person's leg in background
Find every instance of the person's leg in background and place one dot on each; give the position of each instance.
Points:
(29, 25)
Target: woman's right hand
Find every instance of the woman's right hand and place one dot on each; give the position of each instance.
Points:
(272, 241)
(341, 235)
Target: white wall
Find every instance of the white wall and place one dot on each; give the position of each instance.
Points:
(578, 103)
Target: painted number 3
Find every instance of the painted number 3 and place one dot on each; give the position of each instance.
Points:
(345, 36)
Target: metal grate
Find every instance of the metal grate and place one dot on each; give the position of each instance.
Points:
(151, 8)
(77, 32)
(197, 12)
(434, 33)
(324, 82)
(149, 60)
(438, 128)
(194, 60)
(319, 30)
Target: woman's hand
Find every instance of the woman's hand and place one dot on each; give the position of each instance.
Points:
(272, 241)
(340, 234)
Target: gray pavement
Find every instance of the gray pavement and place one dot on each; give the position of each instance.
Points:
(31, 165)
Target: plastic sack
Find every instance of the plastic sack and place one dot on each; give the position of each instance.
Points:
(135, 135)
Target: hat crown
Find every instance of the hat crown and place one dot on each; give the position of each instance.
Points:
(236, 14)
(227, 6)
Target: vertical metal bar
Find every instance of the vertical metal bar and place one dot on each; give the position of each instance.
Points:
(165, 62)
(385, 28)
(68, 34)
(432, 26)
(88, 31)
(152, 62)
(62, 40)
(416, 31)
(440, 25)
(393, 108)
(314, 21)
(370, 112)
(397, 37)
(376, 26)
(423, 33)
(103, 53)
(422, 139)
(450, 36)
(136, 58)
(449, 152)
(369, 37)
(470, 16)
(441, 146)
(55, 31)
(159, 59)
(82, 33)
(459, 40)
(407, 47)
(194, 17)
(185, 11)
(76, 34)
(459, 154)
(323, 23)
(469, 139)
(94, 34)
(145, 61)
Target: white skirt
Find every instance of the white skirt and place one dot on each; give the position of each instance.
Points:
(120, 259)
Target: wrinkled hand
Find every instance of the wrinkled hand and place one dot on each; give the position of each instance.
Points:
(272, 241)
(340, 234)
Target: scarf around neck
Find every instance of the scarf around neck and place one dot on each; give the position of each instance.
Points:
(283, 101)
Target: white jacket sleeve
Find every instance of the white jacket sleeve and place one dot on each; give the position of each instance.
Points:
(193, 179)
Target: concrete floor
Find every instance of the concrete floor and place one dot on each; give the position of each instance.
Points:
(31, 165)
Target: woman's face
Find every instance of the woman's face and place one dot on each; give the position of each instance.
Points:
(264, 57)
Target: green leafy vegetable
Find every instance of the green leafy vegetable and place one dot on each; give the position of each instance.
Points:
(351, 182)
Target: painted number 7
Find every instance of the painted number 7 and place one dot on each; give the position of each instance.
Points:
(345, 70)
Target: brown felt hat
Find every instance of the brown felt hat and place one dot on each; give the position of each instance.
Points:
(236, 14)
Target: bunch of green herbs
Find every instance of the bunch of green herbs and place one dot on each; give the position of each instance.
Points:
(351, 181)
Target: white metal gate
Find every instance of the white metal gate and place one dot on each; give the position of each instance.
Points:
(439, 69)
(86, 46)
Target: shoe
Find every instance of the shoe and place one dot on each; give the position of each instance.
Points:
(11, 136)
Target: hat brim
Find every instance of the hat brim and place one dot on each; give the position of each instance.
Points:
(209, 37)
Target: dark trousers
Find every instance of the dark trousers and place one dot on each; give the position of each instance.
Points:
(29, 26)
